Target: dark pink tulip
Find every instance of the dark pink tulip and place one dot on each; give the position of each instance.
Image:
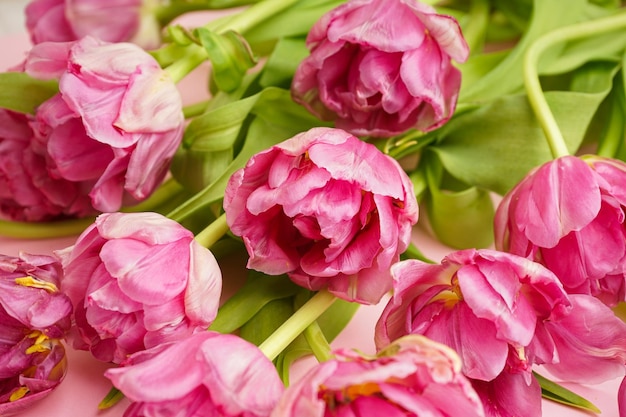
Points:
(412, 377)
(111, 21)
(115, 124)
(34, 318)
(27, 191)
(487, 306)
(568, 214)
(381, 67)
(137, 280)
(326, 208)
(206, 374)
(621, 398)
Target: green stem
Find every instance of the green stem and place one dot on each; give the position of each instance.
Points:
(180, 68)
(255, 14)
(195, 109)
(44, 230)
(213, 232)
(296, 324)
(317, 342)
(536, 97)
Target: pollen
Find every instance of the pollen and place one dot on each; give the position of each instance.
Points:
(41, 343)
(18, 394)
(36, 283)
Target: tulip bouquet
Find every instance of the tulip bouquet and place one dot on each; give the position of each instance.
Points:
(317, 132)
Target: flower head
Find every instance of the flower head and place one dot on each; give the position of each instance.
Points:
(115, 124)
(34, 317)
(488, 307)
(27, 191)
(205, 374)
(381, 67)
(137, 280)
(568, 214)
(325, 208)
(414, 376)
(112, 21)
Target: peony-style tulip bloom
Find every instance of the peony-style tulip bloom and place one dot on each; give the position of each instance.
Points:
(621, 398)
(115, 124)
(110, 21)
(568, 214)
(27, 191)
(381, 67)
(326, 208)
(207, 374)
(487, 306)
(137, 280)
(34, 317)
(414, 376)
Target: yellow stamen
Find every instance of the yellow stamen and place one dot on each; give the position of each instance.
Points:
(18, 393)
(41, 343)
(35, 283)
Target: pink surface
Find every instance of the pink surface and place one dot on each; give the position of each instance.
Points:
(85, 385)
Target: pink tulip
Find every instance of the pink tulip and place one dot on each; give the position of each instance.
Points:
(621, 398)
(137, 280)
(115, 124)
(34, 317)
(325, 208)
(381, 67)
(27, 191)
(412, 377)
(568, 214)
(487, 306)
(587, 345)
(207, 374)
(111, 21)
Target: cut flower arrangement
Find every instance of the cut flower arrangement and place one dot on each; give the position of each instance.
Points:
(322, 131)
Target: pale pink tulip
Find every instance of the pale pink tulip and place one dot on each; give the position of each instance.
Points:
(568, 214)
(34, 317)
(327, 209)
(381, 67)
(27, 191)
(412, 377)
(115, 124)
(137, 280)
(207, 374)
(109, 20)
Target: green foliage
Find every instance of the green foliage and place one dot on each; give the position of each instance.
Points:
(21, 93)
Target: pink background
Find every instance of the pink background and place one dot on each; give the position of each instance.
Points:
(85, 385)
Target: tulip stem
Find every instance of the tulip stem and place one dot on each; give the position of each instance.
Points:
(296, 324)
(44, 230)
(536, 97)
(253, 15)
(213, 232)
(317, 342)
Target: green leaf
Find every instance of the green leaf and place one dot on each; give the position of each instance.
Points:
(460, 218)
(258, 291)
(22, 93)
(506, 77)
(505, 137)
(558, 393)
(230, 56)
(267, 320)
(283, 62)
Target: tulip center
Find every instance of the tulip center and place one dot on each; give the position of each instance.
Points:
(348, 394)
(41, 343)
(35, 283)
